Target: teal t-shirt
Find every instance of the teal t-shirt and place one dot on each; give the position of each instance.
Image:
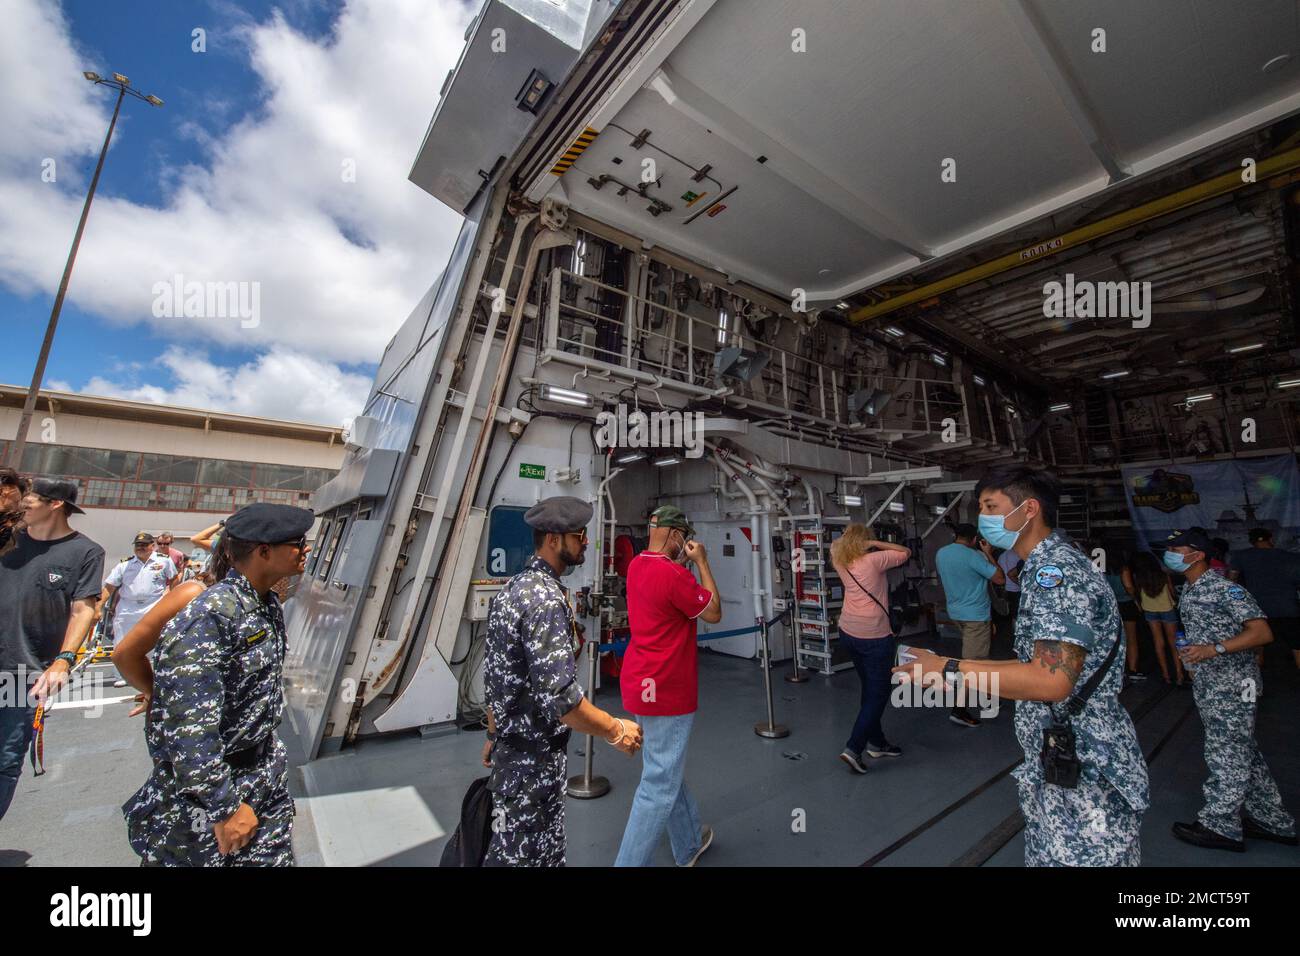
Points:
(965, 574)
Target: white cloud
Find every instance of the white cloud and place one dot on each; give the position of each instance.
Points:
(279, 383)
(269, 204)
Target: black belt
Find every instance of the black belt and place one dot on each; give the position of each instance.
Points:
(248, 757)
(528, 745)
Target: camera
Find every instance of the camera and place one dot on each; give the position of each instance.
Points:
(1060, 762)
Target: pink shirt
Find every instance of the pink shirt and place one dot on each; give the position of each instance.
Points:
(861, 616)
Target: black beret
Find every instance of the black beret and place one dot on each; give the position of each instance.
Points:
(558, 515)
(269, 524)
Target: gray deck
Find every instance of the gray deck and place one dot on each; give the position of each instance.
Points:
(391, 801)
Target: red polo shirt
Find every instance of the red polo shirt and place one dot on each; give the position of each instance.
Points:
(659, 677)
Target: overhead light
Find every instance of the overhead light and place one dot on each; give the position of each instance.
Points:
(664, 460)
(843, 305)
(979, 380)
(1193, 399)
(940, 509)
(851, 501)
(896, 506)
(93, 77)
(153, 100)
(530, 96)
(1245, 348)
(1011, 410)
(567, 396)
(1119, 374)
(121, 79)
(1062, 407)
(938, 359)
(630, 457)
(1288, 383)
(895, 331)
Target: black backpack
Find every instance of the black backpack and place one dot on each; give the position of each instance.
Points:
(468, 846)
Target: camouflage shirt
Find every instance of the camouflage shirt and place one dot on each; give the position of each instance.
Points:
(1064, 598)
(1214, 610)
(218, 689)
(531, 677)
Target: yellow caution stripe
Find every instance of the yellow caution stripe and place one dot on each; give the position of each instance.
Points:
(585, 139)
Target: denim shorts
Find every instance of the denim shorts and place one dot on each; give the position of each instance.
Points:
(1169, 617)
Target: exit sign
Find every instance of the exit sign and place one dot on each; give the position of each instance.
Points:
(532, 471)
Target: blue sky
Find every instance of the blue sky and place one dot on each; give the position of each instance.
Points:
(234, 179)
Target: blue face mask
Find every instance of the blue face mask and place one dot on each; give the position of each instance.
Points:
(1174, 562)
(994, 531)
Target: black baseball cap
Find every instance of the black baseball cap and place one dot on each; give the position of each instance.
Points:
(1194, 538)
(58, 489)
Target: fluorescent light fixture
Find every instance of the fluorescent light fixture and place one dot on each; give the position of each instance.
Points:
(1288, 383)
(1120, 374)
(1245, 348)
(664, 460)
(1193, 399)
(896, 506)
(895, 331)
(1062, 407)
(939, 509)
(629, 457)
(979, 380)
(567, 396)
(851, 501)
(1011, 410)
(938, 359)
(843, 305)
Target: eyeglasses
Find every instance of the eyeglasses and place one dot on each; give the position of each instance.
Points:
(580, 535)
(300, 543)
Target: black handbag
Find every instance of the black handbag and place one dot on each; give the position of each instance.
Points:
(894, 615)
(468, 846)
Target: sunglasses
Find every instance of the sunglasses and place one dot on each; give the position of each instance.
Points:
(298, 543)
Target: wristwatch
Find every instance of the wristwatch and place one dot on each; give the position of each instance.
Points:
(951, 670)
(1220, 649)
(70, 657)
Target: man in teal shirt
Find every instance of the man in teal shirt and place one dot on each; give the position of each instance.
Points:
(965, 571)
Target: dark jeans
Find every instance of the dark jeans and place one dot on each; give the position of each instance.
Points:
(873, 659)
(15, 738)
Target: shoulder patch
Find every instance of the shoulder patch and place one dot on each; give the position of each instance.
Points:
(1237, 592)
(1048, 576)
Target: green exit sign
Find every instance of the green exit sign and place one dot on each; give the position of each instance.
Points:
(533, 471)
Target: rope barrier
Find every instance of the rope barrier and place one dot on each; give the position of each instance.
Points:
(619, 647)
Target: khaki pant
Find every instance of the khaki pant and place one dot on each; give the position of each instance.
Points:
(975, 639)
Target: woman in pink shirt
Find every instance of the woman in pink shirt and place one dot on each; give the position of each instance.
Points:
(862, 562)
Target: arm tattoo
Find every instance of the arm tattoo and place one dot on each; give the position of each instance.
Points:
(1057, 655)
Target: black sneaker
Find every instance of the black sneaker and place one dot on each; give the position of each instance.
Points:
(1257, 832)
(884, 750)
(960, 715)
(1198, 835)
(854, 761)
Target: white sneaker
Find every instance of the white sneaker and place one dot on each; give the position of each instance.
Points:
(854, 761)
(706, 840)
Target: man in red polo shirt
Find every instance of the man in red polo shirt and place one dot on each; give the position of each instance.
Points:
(660, 683)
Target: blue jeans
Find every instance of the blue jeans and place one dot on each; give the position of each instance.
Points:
(662, 799)
(873, 659)
(15, 738)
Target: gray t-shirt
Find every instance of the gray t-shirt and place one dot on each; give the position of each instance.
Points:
(1272, 576)
(39, 580)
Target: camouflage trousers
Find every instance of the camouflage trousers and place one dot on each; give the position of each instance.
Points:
(1239, 778)
(527, 808)
(1091, 825)
(167, 829)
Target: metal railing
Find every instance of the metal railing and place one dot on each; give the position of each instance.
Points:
(676, 346)
(175, 496)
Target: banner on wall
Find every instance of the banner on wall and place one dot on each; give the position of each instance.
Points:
(1226, 498)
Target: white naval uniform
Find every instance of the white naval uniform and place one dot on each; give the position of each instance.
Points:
(140, 584)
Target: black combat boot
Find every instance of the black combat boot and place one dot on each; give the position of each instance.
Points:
(1198, 835)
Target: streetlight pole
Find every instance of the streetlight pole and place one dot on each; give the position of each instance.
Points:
(122, 85)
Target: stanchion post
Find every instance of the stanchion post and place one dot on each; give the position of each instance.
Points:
(585, 786)
(768, 728)
(796, 676)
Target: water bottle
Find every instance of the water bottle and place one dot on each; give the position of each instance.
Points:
(1180, 642)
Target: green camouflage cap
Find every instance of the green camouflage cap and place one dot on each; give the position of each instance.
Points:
(670, 516)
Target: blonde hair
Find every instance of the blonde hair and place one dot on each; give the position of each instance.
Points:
(851, 545)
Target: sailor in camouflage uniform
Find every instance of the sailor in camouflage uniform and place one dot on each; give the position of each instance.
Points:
(1224, 625)
(1068, 624)
(532, 693)
(218, 794)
